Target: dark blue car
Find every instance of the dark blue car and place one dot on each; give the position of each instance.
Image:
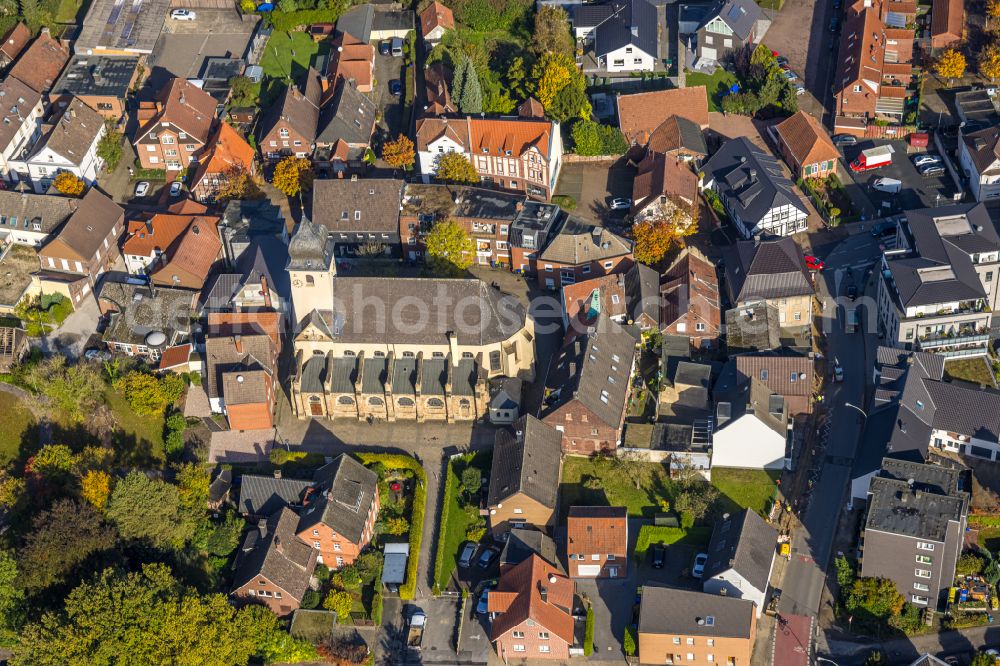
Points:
(396, 87)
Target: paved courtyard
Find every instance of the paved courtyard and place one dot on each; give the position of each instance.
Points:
(593, 185)
(183, 46)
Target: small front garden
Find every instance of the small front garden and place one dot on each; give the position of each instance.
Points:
(829, 197)
(353, 592)
(43, 314)
(717, 85)
(460, 519)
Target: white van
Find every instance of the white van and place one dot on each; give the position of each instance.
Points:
(887, 185)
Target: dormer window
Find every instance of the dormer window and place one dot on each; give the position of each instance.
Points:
(486, 151)
(283, 132)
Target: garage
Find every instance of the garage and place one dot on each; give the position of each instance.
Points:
(708, 53)
(589, 570)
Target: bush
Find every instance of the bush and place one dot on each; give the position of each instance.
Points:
(564, 201)
(322, 573)
(592, 138)
(969, 564)
(588, 633)
(289, 21)
(908, 621)
(312, 599)
(147, 394)
(629, 641)
(377, 608)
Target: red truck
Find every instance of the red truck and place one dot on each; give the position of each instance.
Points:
(873, 158)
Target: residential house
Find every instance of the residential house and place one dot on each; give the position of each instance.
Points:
(772, 272)
(733, 25)
(289, 126)
(740, 558)
(367, 23)
(67, 145)
(524, 478)
(806, 147)
(346, 125)
(228, 154)
(241, 359)
(361, 214)
(754, 190)
(640, 114)
(505, 400)
(678, 137)
(752, 430)
(274, 566)
(587, 388)
(245, 220)
(684, 418)
(101, 82)
(665, 188)
(435, 20)
(522, 154)
(13, 43)
(437, 84)
(352, 60)
(174, 130)
(786, 374)
(530, 231)
(86, 245)
(22, 112)
(532, 609)
(642, 289)
(914, 530)
(619, 37)
(979, 157)
(521, 545)
(29, 219)
(579, 251)
(173, 250)
(689, 293)
(947, 23)
(679, 626)
(597, 541)
(584, 302)
(143, 320)
(937, 292)
(40, 65)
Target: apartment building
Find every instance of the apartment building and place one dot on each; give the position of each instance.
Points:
(175, 128)
(524, 478)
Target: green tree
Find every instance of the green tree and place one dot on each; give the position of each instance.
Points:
(226, 536)
(146, 618)
(53, 462)
(876, 597)
(845, 574)
(12, 604)
(339, 602)
(75, 390)
(245, 92)
(150, 510)
(552, 33)
(983, 658)
(586, 138)
(148, 394)
(517, 78)
(449, 249)
(61, 539)
(347, 578)
(456, 168)
(470, 97)
(472, 480)
(109, 148)
(969, 564)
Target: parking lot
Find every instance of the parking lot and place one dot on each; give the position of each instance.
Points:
(917, 191)
(183, 46)
(387, 68)
(593, 185)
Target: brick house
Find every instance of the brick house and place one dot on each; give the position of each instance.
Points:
(274, 566)
(524, 478)
(640, 114)
(690, 304)
(175, 128)
(241, 360)
(435, 20)
(580, 251)
(289, 126)
(39, 66)
(947, 23)
(806, 147)
(597, 542)
(228, 152)
(86, 245)
(532, 604)
(587, 388)
(173, 250)
(136, 312)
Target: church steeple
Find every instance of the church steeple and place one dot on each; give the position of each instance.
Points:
(311, 268)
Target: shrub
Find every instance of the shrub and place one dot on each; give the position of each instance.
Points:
(564, 201)
(908, 620)
(312, 599)
(322, 573)
(339, 602)
(147, 394)
(969, 564)
(588, 633)
(629, 641)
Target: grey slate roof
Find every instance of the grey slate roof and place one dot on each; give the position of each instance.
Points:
(310, 246)
(594, 369)
(580, 243)
(393, 20)
(631, 22)
(48, 211)
(348, 116)
(749, 180)
(768, 269)
(923, 509)
(740, 15)
(313, 374)
(642, 289)
(345, 491)
(272, 551)
(96, 75)
(370, 204)
(344, 372)
(743, 543)
(667, 610)
(526, 463)
(357, 22)
(523, 543)
(266, 495)
(505, 392)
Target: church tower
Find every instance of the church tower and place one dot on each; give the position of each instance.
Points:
(311, 269)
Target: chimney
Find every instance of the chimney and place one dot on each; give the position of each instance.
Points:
(277, 473)
(545, 594)
(72, 113)
(238, 343)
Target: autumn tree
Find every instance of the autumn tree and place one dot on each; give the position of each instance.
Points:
(339, 602)
(950, 65)
(109, 148)
(992, 11)
(449, 249)
(148, 394)
(552, 32)
(399, 154)
(456, 168)
(655, 236)
(95, 487)
(69, 184)
(75, 390)
(989, 61)
(877, 598)
(293, 175)
(236, 182)
(560, 87)
(61, 539)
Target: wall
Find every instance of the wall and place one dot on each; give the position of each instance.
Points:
(749, 444)
(532, 513)
(558, 649)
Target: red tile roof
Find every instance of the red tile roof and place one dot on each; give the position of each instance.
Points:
(15, 40)
(578, 299)
(691, 287)
(41, 64)
(227, 324)
(806, 140)
(517, 136)
(434, 15)
(597, 529)
(641, 113)
(228, 150)
(518, 598)
(173, 357)
(183, 104)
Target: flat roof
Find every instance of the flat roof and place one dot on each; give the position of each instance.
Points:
(98, 75)
(116, 25)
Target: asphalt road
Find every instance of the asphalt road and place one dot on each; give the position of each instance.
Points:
(811, 545)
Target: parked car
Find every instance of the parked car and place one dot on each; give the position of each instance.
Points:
(396, 87)
(384, 47)
(487, 557)
(700, 560)
(397, 47)
(924, 159)
(852, 292)
(834, 24)
(844, 140)
(883, 229)
(789, 74)
(620, 203)
(931, 170)
(94, 354)
(141, 189)
(468, 552)
(183, 15)
(484, 600)
(800, 90)
(659, 555)
(782, 60)
(838, 373)
(175, 188)
(814, 263)
(887, 185)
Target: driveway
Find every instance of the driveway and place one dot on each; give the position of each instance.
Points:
(387, 68)
(593, 185)
(71, 338)
(917, 192)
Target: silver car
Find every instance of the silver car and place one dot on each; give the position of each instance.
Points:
(925, 159)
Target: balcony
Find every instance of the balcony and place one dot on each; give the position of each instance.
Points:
(980, 337)
(964, 307)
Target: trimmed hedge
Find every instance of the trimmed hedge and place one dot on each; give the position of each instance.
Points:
(588, 633)
(397, 461)
(650, 534)
(289, 21)
(450, 486)
(984, 521)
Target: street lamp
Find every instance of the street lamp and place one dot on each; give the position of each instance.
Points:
(829, 661)
(847, 404)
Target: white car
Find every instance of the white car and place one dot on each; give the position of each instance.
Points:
(800, 90)
(926, 158)
(183, 15)
(700, 560)
(175, 188)
(141, 189)
(620, 204)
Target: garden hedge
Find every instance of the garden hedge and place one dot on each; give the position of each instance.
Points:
(650, 534)
(450, 483)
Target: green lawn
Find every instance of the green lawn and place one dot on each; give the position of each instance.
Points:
(68, 10)
(976, 370)
(138, 438)
(717, 85)
(280, 63)
(615, 487)
(989, 538)
(454, 520)
(744, 489)
(15, 420)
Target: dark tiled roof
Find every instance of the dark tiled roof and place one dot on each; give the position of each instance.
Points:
(740, 15)
(526, 461)
(348, 116)
(370, 204)
(631, 22)
(265, 495)
(345, 492)
(667, 610)
(642, 289)
(357, 22)
(753, 328)
(744, 543)
(48, 210)
(523, 543)
(95, 75)
(92, 222)
(768, 269)
(274, 552)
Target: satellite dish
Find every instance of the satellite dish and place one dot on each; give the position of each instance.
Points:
(155, 339)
